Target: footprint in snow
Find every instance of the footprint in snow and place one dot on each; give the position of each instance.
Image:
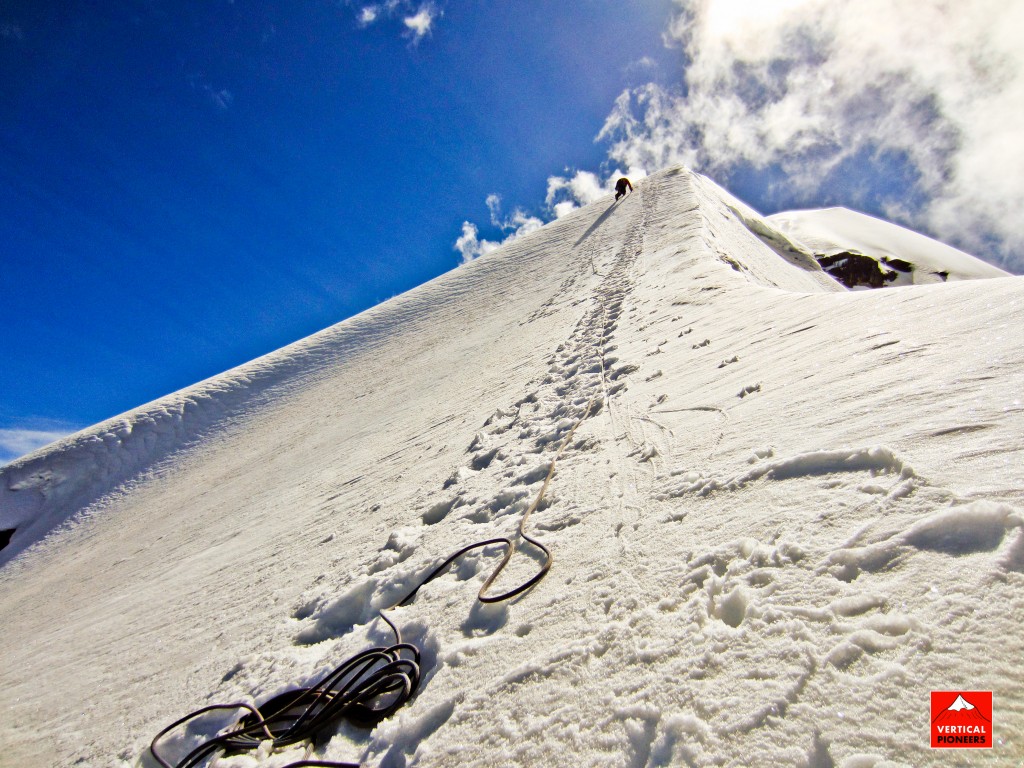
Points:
(967, 529)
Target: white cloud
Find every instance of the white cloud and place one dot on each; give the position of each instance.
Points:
(515, 225)
(369, 14)
(523, 224)
(493, 203)
(222, 98)
(645, 66)
(564, 208)
(583, 188)
(565, 194)
(470, 245)
(18, 442)
(417, 20)
(913, 107)
(419, 24)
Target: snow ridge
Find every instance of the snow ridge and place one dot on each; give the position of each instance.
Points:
(38, 492)
(792, 511)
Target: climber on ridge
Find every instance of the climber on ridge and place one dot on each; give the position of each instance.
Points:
(620, 188)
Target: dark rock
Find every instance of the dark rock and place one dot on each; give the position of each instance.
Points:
(855, 269)
(898, 264)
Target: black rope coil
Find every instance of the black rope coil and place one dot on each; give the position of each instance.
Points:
(366, 688)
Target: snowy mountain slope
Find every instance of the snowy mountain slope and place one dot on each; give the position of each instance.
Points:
(795, 512)
(901, 257)
(40, 489)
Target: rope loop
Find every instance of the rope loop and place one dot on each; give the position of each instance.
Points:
(366, 688)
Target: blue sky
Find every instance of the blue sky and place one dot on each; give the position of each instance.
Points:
(186, 186)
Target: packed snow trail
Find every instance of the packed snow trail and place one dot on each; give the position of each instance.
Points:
(796, 512)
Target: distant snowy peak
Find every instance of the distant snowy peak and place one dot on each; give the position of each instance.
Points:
(864, 252)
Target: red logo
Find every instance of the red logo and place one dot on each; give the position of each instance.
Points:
(961, 719)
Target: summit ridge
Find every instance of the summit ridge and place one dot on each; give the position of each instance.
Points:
(787, 511)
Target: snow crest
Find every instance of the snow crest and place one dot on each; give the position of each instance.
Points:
(787, 513)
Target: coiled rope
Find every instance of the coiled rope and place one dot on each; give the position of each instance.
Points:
(366, 688)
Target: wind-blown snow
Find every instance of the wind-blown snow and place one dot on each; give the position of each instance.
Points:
(790, 512)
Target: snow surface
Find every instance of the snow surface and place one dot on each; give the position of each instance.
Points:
(795, 512)
(831, 231)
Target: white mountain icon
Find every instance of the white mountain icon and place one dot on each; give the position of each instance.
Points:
(960, 703)
(960, 712)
